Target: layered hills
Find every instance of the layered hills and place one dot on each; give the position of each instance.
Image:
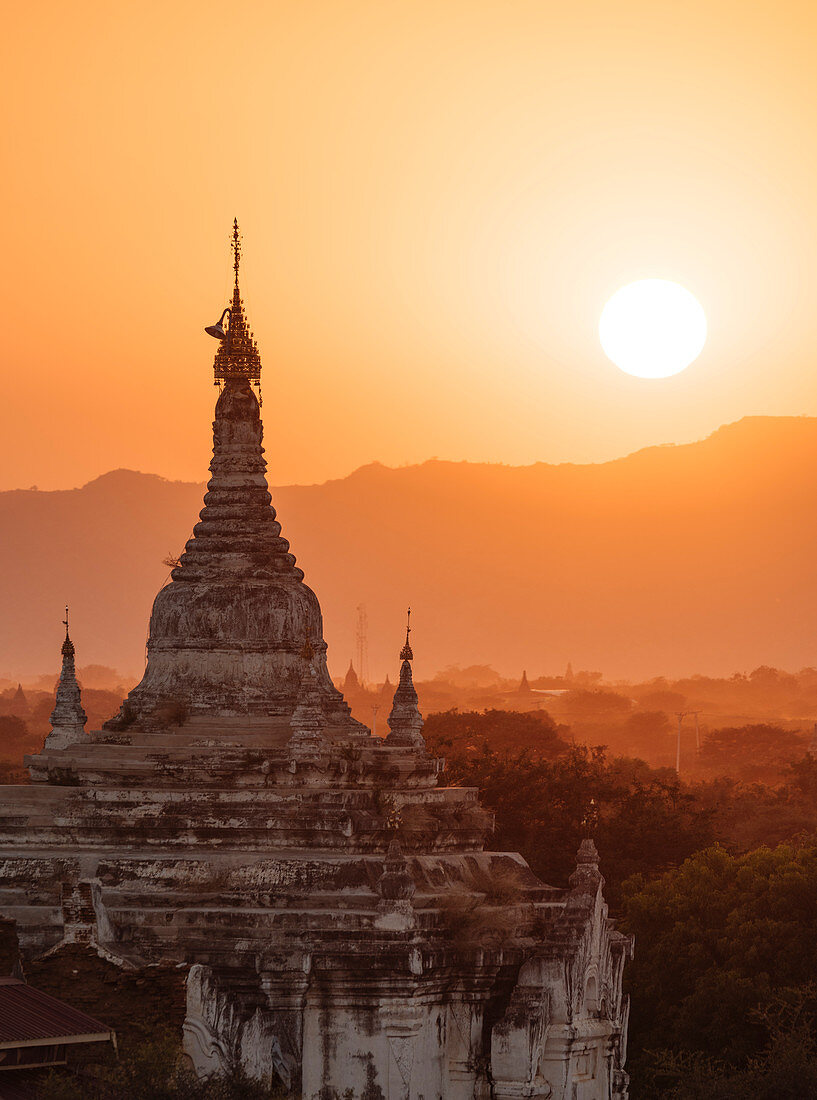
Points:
(676, 559)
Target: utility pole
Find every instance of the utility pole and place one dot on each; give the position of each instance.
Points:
(681, 716)
(697, 730)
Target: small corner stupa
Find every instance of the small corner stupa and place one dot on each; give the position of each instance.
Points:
(68, 719)
(329, 901)
(405, 720)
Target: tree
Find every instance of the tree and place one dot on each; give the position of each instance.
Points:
(471, 731)
(596, 704)
(784, 1069)
(16, 739)
(647, 732)
(717, 938)
(646, 821)
(751, 751)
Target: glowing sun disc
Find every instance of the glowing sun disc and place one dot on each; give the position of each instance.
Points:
(652, 328)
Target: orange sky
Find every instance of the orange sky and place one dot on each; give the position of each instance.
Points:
(436, 197)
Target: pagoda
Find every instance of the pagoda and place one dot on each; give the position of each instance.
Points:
(68, 719)
(226, 634)
(343, 930)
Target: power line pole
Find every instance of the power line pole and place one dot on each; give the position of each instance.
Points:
(697, 730)
(681, 716)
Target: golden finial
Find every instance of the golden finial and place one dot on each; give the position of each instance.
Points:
(237, 355)
(236, 248)
(406, 653)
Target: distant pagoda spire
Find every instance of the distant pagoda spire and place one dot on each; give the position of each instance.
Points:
(237, 356)
(405, 720)
(67, 718)
(352, 681)
(19, 704)
(524, 687)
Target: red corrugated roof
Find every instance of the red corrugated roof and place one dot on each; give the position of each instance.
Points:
(26, 1015)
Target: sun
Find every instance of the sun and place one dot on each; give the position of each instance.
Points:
(652, 328)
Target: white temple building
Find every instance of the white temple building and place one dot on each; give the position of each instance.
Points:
(343, 929)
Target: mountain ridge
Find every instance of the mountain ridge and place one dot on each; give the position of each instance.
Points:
(678, 558)
(375, 465)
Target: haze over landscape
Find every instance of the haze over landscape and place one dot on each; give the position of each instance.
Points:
(672, 560)
(509, 310)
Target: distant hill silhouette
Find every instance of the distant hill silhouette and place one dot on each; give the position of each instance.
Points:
(701, 557)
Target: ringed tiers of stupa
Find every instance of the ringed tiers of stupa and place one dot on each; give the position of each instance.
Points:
(343, 929)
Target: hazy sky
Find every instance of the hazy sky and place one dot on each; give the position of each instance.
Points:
(436, 199)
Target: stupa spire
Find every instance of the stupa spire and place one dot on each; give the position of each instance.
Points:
(236, 248)
(405, 652)
(227, 633)
(405, 720)
(237, 356)
(67, 718)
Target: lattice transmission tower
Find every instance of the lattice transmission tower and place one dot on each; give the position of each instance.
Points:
(362, 640)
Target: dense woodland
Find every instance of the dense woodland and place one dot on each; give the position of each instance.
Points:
(714, 871)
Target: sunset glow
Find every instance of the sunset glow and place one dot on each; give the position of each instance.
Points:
(653, 328)
(432, 196)
(408, 667)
